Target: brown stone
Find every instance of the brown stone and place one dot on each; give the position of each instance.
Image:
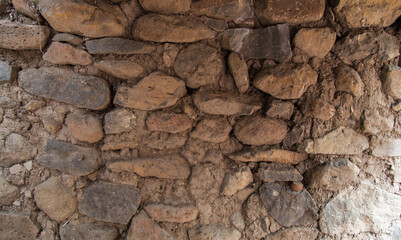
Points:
(205, 182)
(8, 192)
(392, 81)
(296, 186)
(66, 37)
(280, 109)
(24, 7)
(84, 127)
(119, 121)
(119, 46)
(17, 226)
(127, 70)
(272, 155)
(203, 232)
(348, 80)
(143, 228)
(166, 6)
(168, 122)
(315, 42)
(236, 180)
(239, 71)
(320, 109)
(88, 231)
(298, 233)
(214, 130)
(61, 53)
(15, 143)
(176, 214)
(278, 172)
(163, 140)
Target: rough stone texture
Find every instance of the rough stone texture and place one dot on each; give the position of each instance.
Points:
(286, 81)
(271, 42)
(6, 72)
(17, 226)
(366, 208)
(15, 143)
(374, 123)
(205, 182)
(272, 155)
(163, 140)
(179, 29)
(258, 130)
(392, 81)
(292, 12)
(168, 122)
(300, 208)
(166, 6)
(119, 46)
(69, 158)
(278, 172)
(119, 121)
(199, 65)
(175, 214)
(110, 202)
(347, 142)
(81, 18)
(18, 36)
(166, 166)
(34, 105)
(237, 220)
(61, 53)
(8, 192)
(280, 109)
(239, 71)
(66, 86)
(55, 199)
(144, 228)
(214, 130)
(348, 80)
(88, 231)
(320, 109)
(109, 146)
(155, 91)
(84, 127)
(66, 37)
(315, 42)
(213, 232)
(386, 147)
(127, 70)
(298, 233)
(236, 180)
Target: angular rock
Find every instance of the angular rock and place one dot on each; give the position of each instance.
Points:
(26, 8)
(271, 42)
(280, 109)
(8, 192)
(69, 158)
(392, 81)
(215, 24)
(66, 37)
(205, 182)
(119, 121)
(168, 122)
(278, 172)
(239, 71)
(315, 42)
(374, 123)
(163, 140)
(286, 81)
(121, 69)
(236, 180)
(386, 147)
(203, 232)
(166, 6)
(166, 166)
(299, 233)
(300, 208)
(66, 86)
(143, 228)
(348, 80)
(55, 199)
(272, 155)
(199, 65)
(179, 29)
(17, 36)
(319, 109)
(17, 226)
(84, 19)
(155, 91)
(84, 127)
(34, 105)
(15, 143)
(167, 213)
(88, 231)
(62, 53)
(6, 72)
(110, 202)
(119, 46)
(214, 130)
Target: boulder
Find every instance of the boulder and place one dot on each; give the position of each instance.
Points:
(88, 231)
(278, 172)
(6, 72)
(202, 232)
(239, 71)
(348, 80)
(299, 233)
(118, 121)
(392, 81)
(8, 192)
(236, 180)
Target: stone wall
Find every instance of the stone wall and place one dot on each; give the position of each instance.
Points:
(210, 119)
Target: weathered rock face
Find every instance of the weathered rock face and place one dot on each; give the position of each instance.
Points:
(61, 53)
(17, 226)
(319, 109)
(272, 155)
(121, 69)
(215, 130)
(119, 46)
(374, 123)
(176, 214)
(392, 81)
(6, 72)
(8, 192)
(348, 80)
(280, 109)
(278, 172)
(87, 231)
(119, 121)
(212, 231)
(239, 71)
(205, 182)
(66, 86)
(15, 143)
(110, 202)
(84, 19)
(298, 233)
(386, 147)
(236, 180)
(166, 7)
(162, 140)
(168, 122)
(143, 227)
(84, 127)
(272, 42)
(315, 42)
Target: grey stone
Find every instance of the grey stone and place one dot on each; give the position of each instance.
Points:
(88, 231)
(163, 140)
(8, 192)
(276, 172)
(144, 228)
(119, 121)
(390, 147)
(15, 143)
(295, 233)
(175, 214)
(17, 226)
(6, 72)
(66, 37)
(120, 46)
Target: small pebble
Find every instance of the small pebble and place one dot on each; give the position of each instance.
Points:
(17, 203)
(296, 186)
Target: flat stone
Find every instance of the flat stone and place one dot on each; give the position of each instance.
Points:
(81, 18)
(280, 109)
(315, 42)
(122, 69)
(84, 127)
(348, 80)
(386, 147)
(119, 121)
(375, 123)
(15, 143)
(203, 232)
(69, 158)
(156, 91)
(199, 65)
(175, 214)
(286, 81)
(166, 6)
(34, 105)
(272, 155)
(6, 72)
(300, 209)
(66, 37)
(341, 140)
(236, 180)
(319, 109)
(62, 53)
(226, 104)
(278, 172)
(271, 42)
(119, 46)
(179, 29)
(163, 140)
(26, 8)
(166, 166)
(299, 233)
(143, 228)
(292, 12)
(88, 231)
(392, 81)
(168, 122)
(17, 36)
(110, 202)
(66, 86)
(55, 199)
(8, 192)
(214, 130)
(17, 226)
(239, 71)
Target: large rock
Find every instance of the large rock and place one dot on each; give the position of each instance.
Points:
(392, 81)
(179, 29)
(168, 122)
(69, 158)
(17, 226)
(214, 130)
(166, 6)
(390, 147)
(236, 180)
(272, 42)
(84, 127)
(118, 121)
(144, 228)
(84, 19)
(176, 214)
(15, 143)
(62, 53)
(203, 232)
(286, 81)
(239, 71)
(6, 72)
(155, 91)
(348, 80)
(296, 233)
(119, 46)
(315, 42)
(110, 202)
(66, 86)
(123, 69)
(272, 155)
(8, 192)
(278, 172)
(88, 231)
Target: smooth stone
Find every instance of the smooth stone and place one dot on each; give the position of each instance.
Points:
(272, 155)
(315, 42)
(84, 127)
(215, 130)
(236, 180)
(8, 192)
(17, 226)
(389, 147)
(88, 231)
(392, 81)
(348, 80)
(15, 143)
(143, 228)
(66, 37)
(166, 6)
(278, 172)
(175, 214)
(62, 53)
(298, 233)
(239, 71)
(203, 232)
(119, 46)
(237, 220)
(118, 121)
(122, 69)
(168, 122)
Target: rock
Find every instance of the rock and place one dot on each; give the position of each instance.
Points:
(315, 42)
(229, 10)
(166, 7)
(15, 143)
(109, 146)
(236, 180)
(168, 122)
(110, 202)
(205, 182)
(84, 19)
(203, 232)
(300, 208)
(366, 208)
(167, 213)
(341, 140)
(237, 220)
(348, 80)
(386, 147)
(17, 226)
(143, 228)
(84, 127)
(156, 91)
(271, 42)
(3, 6)
(199, 65)
(18, 36)
(319, 109)
(163, 140)
(333, 175)
(6, 72)
(292, 12)
(55, 199)
(165, 166)
(34, 105)
(215, 24)
(88, 231)
(299, 233)
(258, 130)
(214, 130)
(8, 192)
(6, 102)
(178, 29)
(170, 54)
(286, 81)
(374, 123)
(119, 121)
(66, 37)
(278, 172)
(26, 8)
(69, 158)
(367, 13)
(396, 107)
(51, 124)
(122, 69)
(280, 109)
(66, 86)
(272, 155)
(296, 186)
(226, 104)
(239, 71)
(61, 53)
(392, 81)
(119, 46)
